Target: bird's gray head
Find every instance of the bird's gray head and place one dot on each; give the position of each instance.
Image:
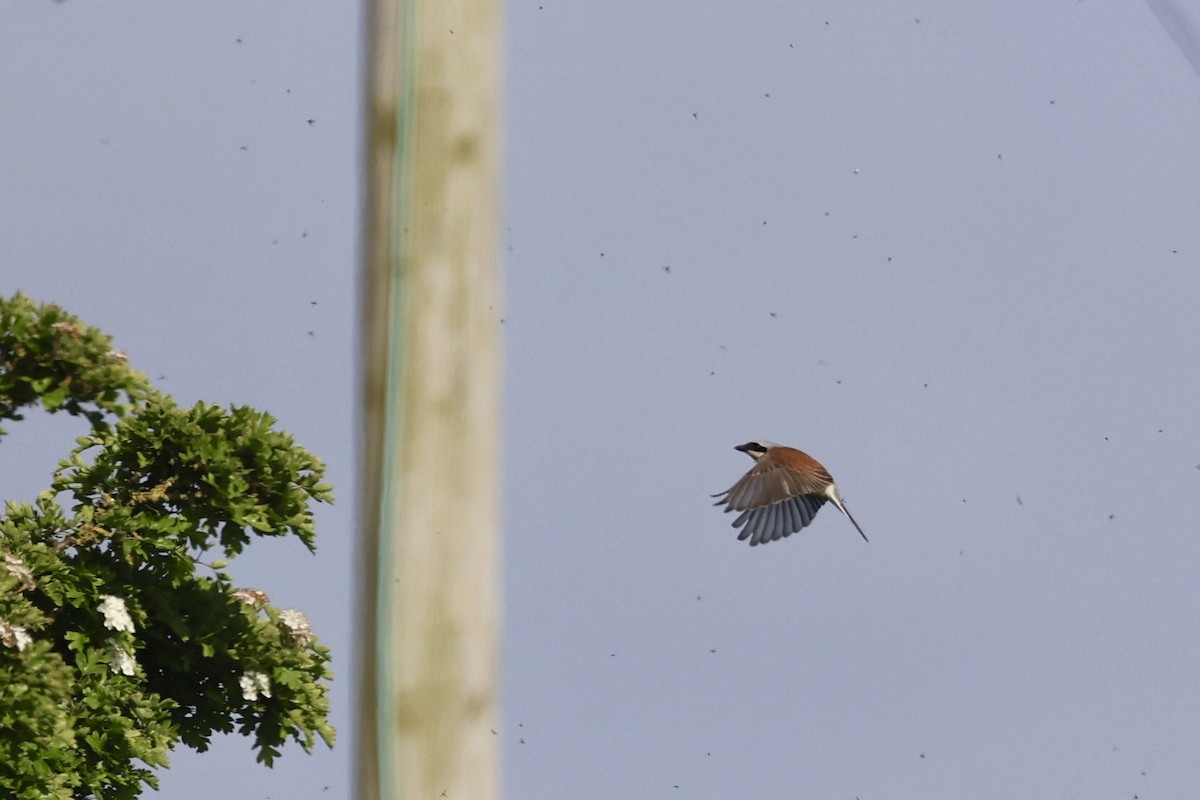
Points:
(756, 449)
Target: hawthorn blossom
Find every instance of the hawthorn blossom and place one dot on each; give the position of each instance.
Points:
(251, 597)
(116, 616)
(67, 328)
(16, 567)
(14, 635)
(120, 659)
(297, 626)
(253, 684)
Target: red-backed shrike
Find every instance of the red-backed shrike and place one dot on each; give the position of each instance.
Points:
(780, 494)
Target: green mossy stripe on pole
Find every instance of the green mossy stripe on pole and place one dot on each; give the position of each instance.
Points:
(430, 608)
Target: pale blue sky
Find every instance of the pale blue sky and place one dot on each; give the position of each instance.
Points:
(948, 249)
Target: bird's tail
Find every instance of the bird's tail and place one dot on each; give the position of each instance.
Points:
(842, 508)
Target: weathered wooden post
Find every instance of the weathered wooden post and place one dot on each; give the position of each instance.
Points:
(430, 604)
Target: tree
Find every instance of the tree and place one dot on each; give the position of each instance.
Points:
(121, 633)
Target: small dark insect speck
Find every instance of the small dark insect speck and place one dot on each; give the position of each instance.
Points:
(237, 41)
(1112, 516)
(311, 121)
(667, 269)
(773, 314)
(1019, 501)
(243, 148)
(310, 333)
(695, 115)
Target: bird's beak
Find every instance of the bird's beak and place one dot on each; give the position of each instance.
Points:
(742, 447)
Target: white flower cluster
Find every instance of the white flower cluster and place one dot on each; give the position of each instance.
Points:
(16, 567)
(120, 659)
(297, 626)
(116, 616)
(253, 684)
(14, 635)
(252, 597)
(65, 327)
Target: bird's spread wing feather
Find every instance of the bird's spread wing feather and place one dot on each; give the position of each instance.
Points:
(779, 520)
(767, 483)
(775, 501)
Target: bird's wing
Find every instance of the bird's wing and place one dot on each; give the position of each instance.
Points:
(767, 482)
(775, 501)
(771, 523)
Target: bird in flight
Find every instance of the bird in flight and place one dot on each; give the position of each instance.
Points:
(780, 494)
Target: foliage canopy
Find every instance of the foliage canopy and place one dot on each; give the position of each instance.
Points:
(121, 633)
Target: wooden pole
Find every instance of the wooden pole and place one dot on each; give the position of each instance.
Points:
(430, 601)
